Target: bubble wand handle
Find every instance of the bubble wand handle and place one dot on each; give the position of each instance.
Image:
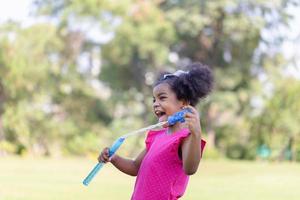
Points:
(112, 150)
(177, 117)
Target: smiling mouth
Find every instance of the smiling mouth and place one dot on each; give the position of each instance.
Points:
(159, 114)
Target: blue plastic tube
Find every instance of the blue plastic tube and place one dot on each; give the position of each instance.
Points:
(112, 150)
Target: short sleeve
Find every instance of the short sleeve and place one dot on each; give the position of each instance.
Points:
(150, 138)
(185, 133)
(180, 136)
(203, 143)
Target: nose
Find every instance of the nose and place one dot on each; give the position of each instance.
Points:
(155, 104)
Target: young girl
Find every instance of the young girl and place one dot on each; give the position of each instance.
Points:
(173, 153)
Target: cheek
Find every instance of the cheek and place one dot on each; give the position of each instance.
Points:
(175, 106)
(178, 103)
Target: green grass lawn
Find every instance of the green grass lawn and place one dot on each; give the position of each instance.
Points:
(60, 179)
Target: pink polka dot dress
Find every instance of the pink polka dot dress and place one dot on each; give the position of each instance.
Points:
(161, 175)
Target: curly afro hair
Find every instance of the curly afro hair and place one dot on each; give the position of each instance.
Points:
(190, 86)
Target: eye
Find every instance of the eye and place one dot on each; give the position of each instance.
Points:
(153, 100)
(162, 97)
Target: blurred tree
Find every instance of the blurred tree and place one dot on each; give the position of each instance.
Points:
(277, 122)
(140, 45)
(98, 59)
(43, 93)
(228, 36)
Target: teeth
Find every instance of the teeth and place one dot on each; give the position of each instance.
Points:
(159, 113)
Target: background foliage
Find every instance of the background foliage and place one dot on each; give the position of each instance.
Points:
(86, 73)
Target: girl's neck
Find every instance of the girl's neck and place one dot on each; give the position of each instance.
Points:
(176, 127)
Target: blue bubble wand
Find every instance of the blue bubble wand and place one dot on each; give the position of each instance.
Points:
(173, 119)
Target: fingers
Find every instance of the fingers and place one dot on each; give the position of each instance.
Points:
(192, 120)
(104, 156)
(190, 107)
(191, 117)
(193, 114)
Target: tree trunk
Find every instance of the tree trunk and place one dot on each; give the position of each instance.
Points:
(2, 136)
(138, 72)
(211, 143)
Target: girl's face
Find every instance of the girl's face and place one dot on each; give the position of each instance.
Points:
(165, 102)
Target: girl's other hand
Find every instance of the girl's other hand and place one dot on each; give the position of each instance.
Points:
(104, 156)
(193, 121)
